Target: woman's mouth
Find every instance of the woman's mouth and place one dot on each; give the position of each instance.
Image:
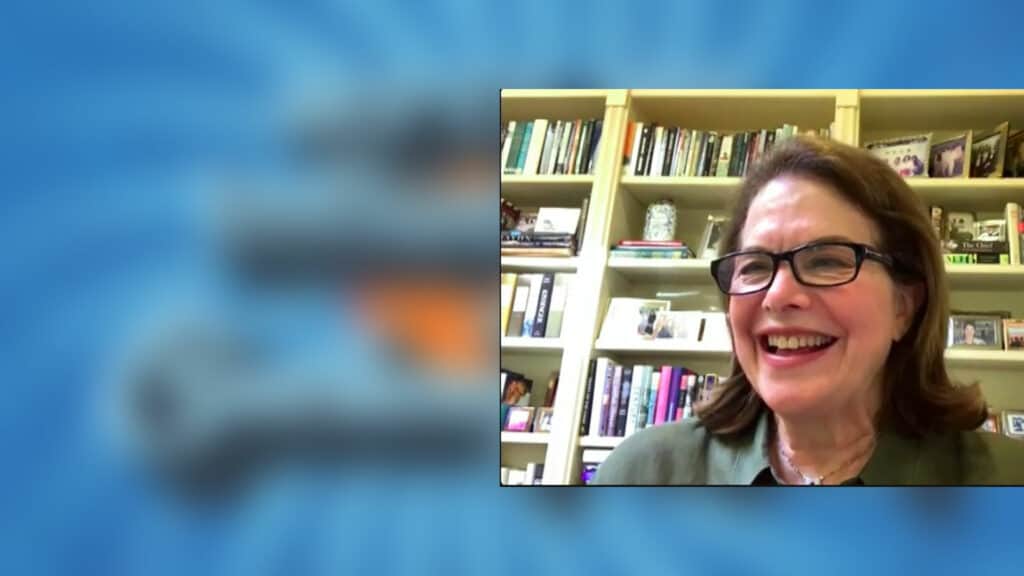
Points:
(795, 344)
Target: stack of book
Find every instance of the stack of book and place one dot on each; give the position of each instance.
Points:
(653, 150)
(545, 231)
(532, 304)
(651, 249)
(543, 146)
(619, 400)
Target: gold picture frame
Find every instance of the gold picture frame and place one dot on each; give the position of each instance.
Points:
(988, 153)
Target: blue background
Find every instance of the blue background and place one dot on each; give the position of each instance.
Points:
(138, 137)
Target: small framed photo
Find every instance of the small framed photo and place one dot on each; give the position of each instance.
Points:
(1013, 334)
(678, 325)
(713, 232)
(991, 424)
(975, 332)
(517, 391)
(1014, 165)
(988, 153)
(1013, 423)
(951, 158)
(907, 155)
(542, 420)
(519, 419)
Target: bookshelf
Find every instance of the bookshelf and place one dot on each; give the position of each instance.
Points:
(618, 202)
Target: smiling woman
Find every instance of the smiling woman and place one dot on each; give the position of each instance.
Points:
(838, 305)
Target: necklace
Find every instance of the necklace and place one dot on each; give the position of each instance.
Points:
(820, 479)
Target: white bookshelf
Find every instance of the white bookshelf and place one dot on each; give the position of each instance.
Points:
(525, 438)
(618, 202)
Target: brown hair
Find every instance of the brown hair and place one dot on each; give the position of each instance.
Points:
(918, 396)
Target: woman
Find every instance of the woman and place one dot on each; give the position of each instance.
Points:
(838, 305)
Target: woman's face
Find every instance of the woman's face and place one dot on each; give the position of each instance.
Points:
(853, 324)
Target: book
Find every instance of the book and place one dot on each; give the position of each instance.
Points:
(634, 155)
(566, 252)
(531, 303)
(673, 392)
(598, 402)
(613, 402)
(508, 288)
(540, 321)
(652, 395)
(524, 147)
(976, 258)
(533, 152)
(556, 220)
(684, 387)
(725, 157)
(664, 383)
(552, 390)
(506, 146)
(545, 153)
(520, 299)
(595, 142)
(668, 254)
(584, 207)
(627, 144)
(637, 393)
(515, 145)
(606, 398)
(588, 398)
(559, 295)
(1012, 213)
(624, 394)
(651, 243)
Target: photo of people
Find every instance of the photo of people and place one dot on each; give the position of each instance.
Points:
(908, 155)
(517, 392)
(948, 157)
(1014, 334)
(987, 153)
(1015, 155)
(976, 332)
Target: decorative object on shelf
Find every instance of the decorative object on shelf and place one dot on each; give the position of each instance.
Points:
(519, 419)
(950, 157)
(660, 224)
(679, 326)
(975, 332)
(542, 421)
(988, 153)
(991, 424)
(1013, 167)
(1013, 423)
(713, 232)
(1013, 334)
(629, 318)
(907, 155)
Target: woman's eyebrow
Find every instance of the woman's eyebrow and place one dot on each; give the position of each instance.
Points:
(831, 238)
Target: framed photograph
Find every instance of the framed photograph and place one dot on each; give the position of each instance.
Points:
(713, 232)
(1013, 423)
(542, 420)
(1014, 165)
(629, 318)
(988, 153)
(975, 332)
(519, 419)
(517, 391)
(950, 158)
(993, 230)
(1013, 334)
(678, 325)
(907, 155)
(960, 226)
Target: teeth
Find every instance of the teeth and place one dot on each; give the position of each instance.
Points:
(796, 342)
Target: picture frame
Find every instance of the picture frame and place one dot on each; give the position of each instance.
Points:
(988, 152)
(680, 326)
(960, 226)
(542, 419)
(991, 423)
(1013, 165)
(975, 332)
(1013, 334)
(1013, 423)
(517, 390)
(631, 318)
(519, 419)
(909, 156)
(713, 232)
(951, 158)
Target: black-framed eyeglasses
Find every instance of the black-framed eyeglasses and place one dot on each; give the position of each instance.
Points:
(818, 264)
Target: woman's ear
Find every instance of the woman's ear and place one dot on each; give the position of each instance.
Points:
(909, 298)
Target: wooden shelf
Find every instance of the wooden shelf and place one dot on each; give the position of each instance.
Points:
(974, 194)
(538, 264)
(986, 358)
(532, 345)
(715, 192)
(547, 190)
(985, 276)
(533, 438)
(600, 441)
(648, 269)
(660, 347)
(932, 110)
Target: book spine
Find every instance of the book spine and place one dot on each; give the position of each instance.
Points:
(517, 141)
(635, 394)
(595, 143)
(531, 304)
(508, 288)
(556, 147)
(984, 246)
(658, 157)
(662, 405)
(540, 321)
(1012, 237)
(581, 156)
(652, 395)
(524, 148)
(540, 131)
(673, 393)
(627, 145)
(645, 142)
(598, 403)
(559, 295)
(691, 395)
(645, 391)
(624, 395)
(606, 399)
(613, 402)
(577, 135)
(976, 258)
(695, 149)
(519, 302)
(649, 253)
(715, 151)
(681, 401)
(725, 156)
(742, 149)
(563, 153)
(634, 156)
(545, 154)
(506, 146)
(588, 399)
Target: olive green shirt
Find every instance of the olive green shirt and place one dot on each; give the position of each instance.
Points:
(685, 452)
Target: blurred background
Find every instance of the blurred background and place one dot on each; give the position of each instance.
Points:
(251, 274)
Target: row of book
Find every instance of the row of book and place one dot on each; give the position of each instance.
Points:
(670, 249)
(529, 476)
(967, 239)
(620, 400)
(654, 150)
(543, 146)
(543, 231)
(533, 303)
